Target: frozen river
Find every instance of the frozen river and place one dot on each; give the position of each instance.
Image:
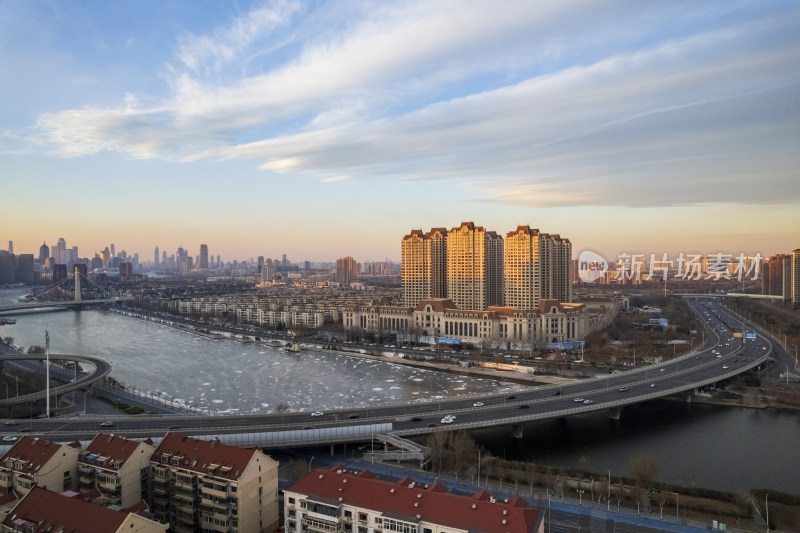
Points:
(227, 376)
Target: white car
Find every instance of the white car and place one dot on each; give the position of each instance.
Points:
(448, 419)
(477, 404)
(724, 367)
(587, 402)
(578, 400)
(317, 413)
(9, 438)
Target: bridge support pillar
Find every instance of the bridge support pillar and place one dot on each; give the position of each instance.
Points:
(516, 430)
(333, 450)
(614, 412)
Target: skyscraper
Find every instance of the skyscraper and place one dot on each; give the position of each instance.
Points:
(474, 267)
(11, 247)
(537, 267)
(155, 257)
(203, 257)
(44, 253)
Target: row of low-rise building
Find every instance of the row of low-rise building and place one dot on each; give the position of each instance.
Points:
(550, 322)
(185, 484)
(188, 483)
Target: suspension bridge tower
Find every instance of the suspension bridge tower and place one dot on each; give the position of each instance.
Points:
(77, 284)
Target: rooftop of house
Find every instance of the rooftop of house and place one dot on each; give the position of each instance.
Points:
(210, 457)
(414, 502)
(42, 510)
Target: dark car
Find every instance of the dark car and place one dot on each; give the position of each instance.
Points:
(512, 397)
(524, 406)
(353, 416)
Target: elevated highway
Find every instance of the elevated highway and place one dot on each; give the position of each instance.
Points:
(56, 304)
(721, 357)
(101, 369)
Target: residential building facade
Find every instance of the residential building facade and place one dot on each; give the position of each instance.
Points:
(116, 467)
(208, 486)
(551, 322)
(474, 267)
(34, 462)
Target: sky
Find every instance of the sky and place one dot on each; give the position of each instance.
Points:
(325, 129)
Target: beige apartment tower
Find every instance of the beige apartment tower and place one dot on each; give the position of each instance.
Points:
(474, 267)
(424, 266)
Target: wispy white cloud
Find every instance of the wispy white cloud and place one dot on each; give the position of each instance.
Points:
(502, 99)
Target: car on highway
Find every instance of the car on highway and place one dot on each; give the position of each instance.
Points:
(587, 402)
(744, 359)
(652, 385)
(477, 404)
(557, 393)
(448, 419)
(725, 367)
(174, 426)
(623, 389)
(524, 406)
(11, 423)
(106, 424)
(9, 438)
(317, 413)
(662, 369)
(578, 400)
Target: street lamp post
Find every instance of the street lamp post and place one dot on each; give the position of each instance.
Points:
(479, 467)
(580, 495)
(766, 504)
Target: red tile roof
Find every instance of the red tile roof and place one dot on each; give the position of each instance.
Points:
(205, 456)
(110, 447)
(49, 511)
(32, 452)
(408, 499)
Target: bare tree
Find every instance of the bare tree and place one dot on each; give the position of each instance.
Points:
(660, 498)
(532, 475)
(437, 443)
(516, 474)
(645, 468)
(462, 451)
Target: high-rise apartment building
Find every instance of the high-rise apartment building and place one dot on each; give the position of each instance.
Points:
(346, 270)
(796, 277)
(474, 267)
(556, 264)
(772, 275)
(203, 257)
(424, 266)
(155, 257)
(524, 268)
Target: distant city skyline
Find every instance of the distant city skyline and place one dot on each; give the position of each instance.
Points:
(328, 129)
